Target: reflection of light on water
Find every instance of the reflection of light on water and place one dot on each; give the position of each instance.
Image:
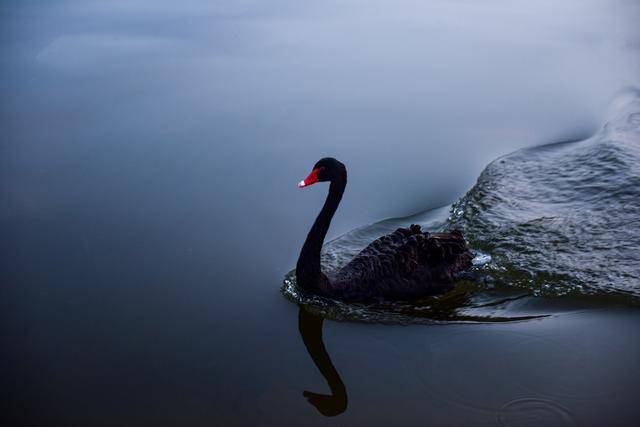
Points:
(481, 259)
(466, 303)
(556, 218)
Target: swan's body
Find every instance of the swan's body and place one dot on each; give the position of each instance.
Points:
(405, 264)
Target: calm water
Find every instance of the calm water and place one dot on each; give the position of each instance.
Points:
(149, 213)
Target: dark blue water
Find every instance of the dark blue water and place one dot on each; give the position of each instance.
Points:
(149, 152)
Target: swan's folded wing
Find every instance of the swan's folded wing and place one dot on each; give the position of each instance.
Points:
(406, 260)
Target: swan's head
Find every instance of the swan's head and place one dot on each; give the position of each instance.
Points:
(326, 169)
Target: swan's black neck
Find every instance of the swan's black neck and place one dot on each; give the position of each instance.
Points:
(308, 273)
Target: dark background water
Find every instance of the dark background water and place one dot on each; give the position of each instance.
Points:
(148, 207)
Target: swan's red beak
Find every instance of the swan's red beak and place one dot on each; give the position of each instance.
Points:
(311, 179)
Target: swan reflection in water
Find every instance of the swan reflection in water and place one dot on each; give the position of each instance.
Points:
(310, 326)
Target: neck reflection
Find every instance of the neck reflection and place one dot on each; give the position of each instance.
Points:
(310, 326)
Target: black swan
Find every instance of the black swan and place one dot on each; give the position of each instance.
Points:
(405, 264)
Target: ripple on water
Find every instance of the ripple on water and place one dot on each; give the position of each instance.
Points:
(534, 412)
(563, 218)
(549, 222)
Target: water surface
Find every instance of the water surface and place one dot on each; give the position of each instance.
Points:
(552, 227)
(149, 153)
